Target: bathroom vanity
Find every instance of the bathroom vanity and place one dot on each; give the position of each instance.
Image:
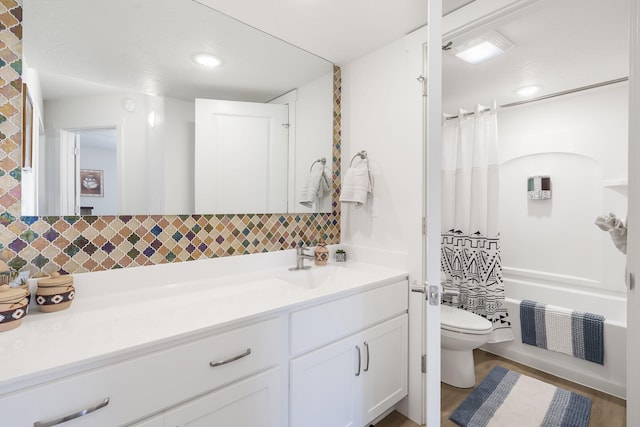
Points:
(320, 347)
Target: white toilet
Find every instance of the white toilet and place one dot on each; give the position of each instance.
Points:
(461, 332)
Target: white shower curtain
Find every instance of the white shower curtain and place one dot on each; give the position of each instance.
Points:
(470, 226)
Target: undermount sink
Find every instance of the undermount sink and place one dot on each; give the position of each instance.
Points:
(313, 277)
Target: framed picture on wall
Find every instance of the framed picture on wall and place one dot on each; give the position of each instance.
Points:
(91, 183)
(27, 128)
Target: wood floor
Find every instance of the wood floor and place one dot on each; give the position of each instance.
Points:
(606, 410)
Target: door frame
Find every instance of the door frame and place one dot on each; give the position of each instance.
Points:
(633, 218)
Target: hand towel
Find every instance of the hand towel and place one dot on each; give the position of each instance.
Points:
(356, 185)
(616, 229)
(316, 187)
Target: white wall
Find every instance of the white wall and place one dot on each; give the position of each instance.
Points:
(179, 140)
(101, 111)
(382, 114)
(104, 160)
(314, 135)
(30, 177)
(311, 123)
(580, 140)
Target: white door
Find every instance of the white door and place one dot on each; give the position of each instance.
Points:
(633, 221)
(253, 402)
(384, 366)
(433, 108)
(69, 173)
(241, 154)
(323, 386)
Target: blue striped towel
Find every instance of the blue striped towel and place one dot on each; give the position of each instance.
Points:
(562, 330)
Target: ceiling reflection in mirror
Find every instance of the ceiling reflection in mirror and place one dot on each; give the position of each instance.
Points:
(115, 84)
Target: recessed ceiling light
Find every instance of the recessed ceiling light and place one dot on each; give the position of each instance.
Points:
(528, 90)
(483, 48)
(206, 60)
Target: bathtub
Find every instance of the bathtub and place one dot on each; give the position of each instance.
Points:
(610, 378)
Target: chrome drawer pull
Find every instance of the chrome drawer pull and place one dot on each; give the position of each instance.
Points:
(78, 414)
(359, 361)
(366, 345)
(232, 359)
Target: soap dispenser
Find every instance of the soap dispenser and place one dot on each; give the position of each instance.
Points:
(321, 252)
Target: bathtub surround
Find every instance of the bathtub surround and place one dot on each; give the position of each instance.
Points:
(94, 243)
(575, 333)
(470, 256)
(610, 377)
(563, 138)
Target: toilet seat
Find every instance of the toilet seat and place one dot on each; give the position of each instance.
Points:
(461, 321)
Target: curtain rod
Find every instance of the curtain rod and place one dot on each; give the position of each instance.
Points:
(552, 95)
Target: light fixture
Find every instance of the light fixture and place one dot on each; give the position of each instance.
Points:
(152, 119)
(483, 48)
(206, 60)
(527, 91)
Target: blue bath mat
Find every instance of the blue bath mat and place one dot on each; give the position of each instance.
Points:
(507, 399)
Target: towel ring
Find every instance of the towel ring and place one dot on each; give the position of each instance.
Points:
(322, 160)
(363, 155)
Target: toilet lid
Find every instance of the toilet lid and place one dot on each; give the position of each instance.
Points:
(458, 320)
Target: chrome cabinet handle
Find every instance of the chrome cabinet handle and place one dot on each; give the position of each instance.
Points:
(78, 414)
(231, 359)
(359, 361)
(366, 345)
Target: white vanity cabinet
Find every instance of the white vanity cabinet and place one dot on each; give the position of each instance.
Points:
(268, 354)
(253, 402)
(353, 380)
(153, 382)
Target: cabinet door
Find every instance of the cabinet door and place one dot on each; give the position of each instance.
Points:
(253, 402)
(157, 421)
(384, 361)
(323, 386)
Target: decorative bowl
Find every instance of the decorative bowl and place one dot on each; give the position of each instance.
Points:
(12, 318)
(54, 298)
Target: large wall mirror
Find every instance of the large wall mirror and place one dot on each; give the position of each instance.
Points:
(127, 122)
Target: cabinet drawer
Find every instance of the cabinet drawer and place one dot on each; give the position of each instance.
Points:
(149, 383)
(324, 323)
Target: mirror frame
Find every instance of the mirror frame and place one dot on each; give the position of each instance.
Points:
(74, 244)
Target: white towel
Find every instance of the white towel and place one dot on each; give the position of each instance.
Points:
(357, 184)
(316, 188)
(616, 228)
(558, 329)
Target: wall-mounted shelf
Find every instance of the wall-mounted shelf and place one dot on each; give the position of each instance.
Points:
(619, 185)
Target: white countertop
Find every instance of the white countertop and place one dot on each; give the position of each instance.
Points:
(104, 327)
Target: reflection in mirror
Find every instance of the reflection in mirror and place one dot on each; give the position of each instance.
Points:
(115, 84)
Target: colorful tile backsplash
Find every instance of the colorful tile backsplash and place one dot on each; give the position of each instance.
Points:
(93, 243)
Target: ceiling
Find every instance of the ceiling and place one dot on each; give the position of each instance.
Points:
(338, 30)
(559, 45)
(84, 47)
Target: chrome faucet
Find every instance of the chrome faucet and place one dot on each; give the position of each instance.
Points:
(300, 257)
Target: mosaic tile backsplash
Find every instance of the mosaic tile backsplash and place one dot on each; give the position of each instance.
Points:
(93, 243)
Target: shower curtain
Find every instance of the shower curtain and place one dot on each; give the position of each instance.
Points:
(470, 233)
